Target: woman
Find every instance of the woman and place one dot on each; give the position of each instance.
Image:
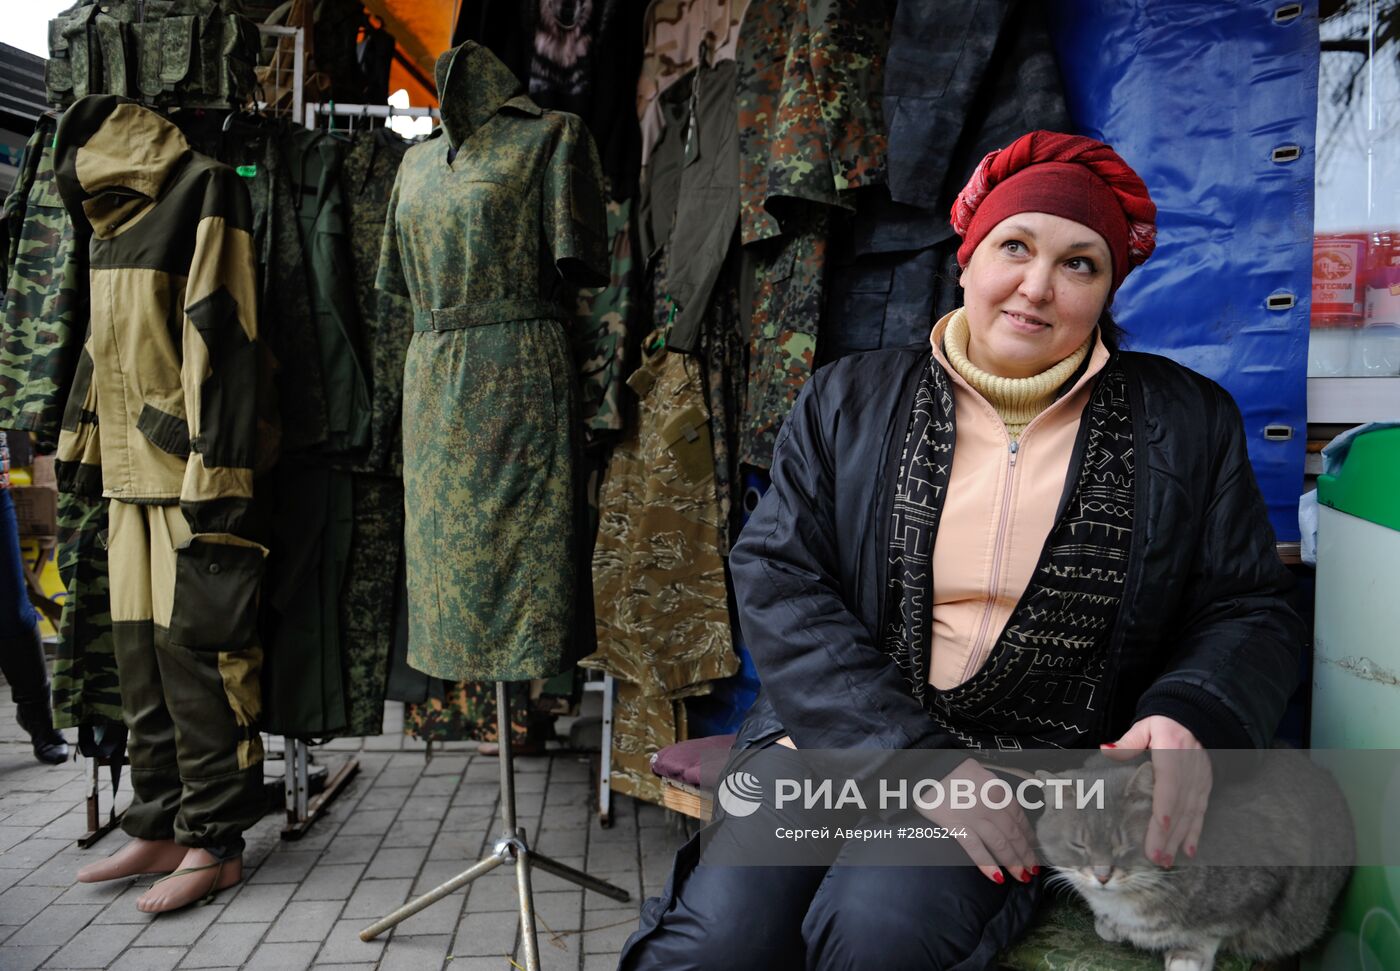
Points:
(1079, 474)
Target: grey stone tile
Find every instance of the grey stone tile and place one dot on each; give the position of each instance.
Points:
(93, 893)
(180, 928)
(411, 832)
(283, 957)
(60, 870)
(347, 848)
(10, 834)
(308, 921)
(19, 905)
(329, 881)
(469, 818)
(605, 931)
(285, 866)
(484, 935)
(225, 945)
(258, 904)
(372, 822)
(148, 959)
(447, 764)
(477, 792)
(490, 895)
(404, 861)
(27, 958)
(39, 812)
(612, 856)
(384, 797)
(438, 918)
(462, 848)
(401, 775)
(600, 962)
(425, 807)
(415, 953)
(123, 910)
(55, 925)
(374, 899)
(69, 826)
(31, 853)
(95, 946)
(499, 963)
(343, 945)
(8, 878)
(436, 785)
(557, 911)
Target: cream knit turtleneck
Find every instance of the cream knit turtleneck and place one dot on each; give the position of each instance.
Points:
(1016, 400)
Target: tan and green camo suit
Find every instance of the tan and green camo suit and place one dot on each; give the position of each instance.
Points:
(163, 409)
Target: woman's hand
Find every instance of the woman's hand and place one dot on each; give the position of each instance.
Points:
(995, 838)
(1181, 786)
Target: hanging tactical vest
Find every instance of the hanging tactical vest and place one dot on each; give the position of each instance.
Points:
(160, 52)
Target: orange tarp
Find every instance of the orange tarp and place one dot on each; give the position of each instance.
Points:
(423, 29)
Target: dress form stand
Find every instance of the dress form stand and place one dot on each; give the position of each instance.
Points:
(513, 846)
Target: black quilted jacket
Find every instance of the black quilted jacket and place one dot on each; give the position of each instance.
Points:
(1204, 634)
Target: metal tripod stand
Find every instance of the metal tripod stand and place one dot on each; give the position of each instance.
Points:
(513, 846)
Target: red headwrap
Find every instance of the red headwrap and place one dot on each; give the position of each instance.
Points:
(1064, 175)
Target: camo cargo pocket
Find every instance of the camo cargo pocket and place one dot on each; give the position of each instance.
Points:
(686, 435)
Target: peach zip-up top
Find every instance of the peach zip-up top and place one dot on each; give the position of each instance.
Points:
(1003, 492)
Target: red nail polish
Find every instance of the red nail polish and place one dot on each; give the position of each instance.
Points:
(1166, 822)
(1109, 745)
(998, 878)
(1191, 851)
(1035, 871)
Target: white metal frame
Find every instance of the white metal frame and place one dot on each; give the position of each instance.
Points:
(298, 68)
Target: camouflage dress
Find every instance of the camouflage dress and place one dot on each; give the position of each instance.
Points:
(492, 223)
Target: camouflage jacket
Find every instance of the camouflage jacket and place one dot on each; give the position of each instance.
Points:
(45, 311)
(810, 122)
(674, 32)
(164, 399)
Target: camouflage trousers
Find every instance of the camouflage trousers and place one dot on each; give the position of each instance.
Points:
(369, 599)
(85, 688)
(787, 312)
(191, 706)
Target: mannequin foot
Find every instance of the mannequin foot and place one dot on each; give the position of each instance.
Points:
(199, 876)
(138, 856)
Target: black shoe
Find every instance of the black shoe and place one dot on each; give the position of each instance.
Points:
(50, 747)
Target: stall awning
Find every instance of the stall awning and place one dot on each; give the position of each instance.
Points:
(423, 30)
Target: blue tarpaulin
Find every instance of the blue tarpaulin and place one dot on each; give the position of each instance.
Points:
(1210, 101)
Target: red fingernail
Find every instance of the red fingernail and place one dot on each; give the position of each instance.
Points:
(1166, 822)
(998, 878)
(1109, 745)
(1191, 851)
(1035, 871)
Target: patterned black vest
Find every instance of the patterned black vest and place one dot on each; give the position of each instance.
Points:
(1041, 685)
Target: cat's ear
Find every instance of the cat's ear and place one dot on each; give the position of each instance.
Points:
(1141, 782)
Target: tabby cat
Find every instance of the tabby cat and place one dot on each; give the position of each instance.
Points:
(1195, 909)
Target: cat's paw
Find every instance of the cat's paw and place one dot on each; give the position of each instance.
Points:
(1189, 961)
(1106, 929)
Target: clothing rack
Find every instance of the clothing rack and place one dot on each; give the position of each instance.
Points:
(353, 111)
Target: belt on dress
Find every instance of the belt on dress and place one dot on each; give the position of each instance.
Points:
(486, 312)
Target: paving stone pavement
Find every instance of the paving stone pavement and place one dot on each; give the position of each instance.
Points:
(404, 825)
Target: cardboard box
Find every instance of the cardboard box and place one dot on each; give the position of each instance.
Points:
(36, 508)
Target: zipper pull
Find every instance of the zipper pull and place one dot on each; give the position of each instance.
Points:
(1015, 447)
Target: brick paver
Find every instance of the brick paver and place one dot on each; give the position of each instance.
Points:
(403, 826)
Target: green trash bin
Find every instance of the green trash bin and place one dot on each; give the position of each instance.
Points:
(1356, 676)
